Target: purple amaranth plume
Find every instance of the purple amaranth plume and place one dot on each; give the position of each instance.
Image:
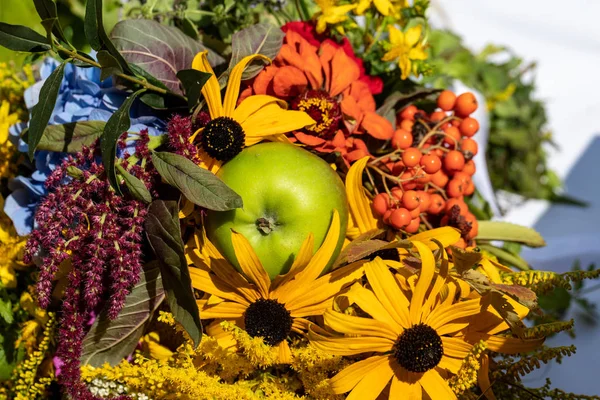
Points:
(86, 228)
(180, 129)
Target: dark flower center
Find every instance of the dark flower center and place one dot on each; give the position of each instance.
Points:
(223, 138)
(419, 348)
(385, 254)
(323, 109)
(268, 319)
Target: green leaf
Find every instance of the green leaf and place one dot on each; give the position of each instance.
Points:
(142, 73)
(388, 108)
(136, 187)
(48, 25)
(93, 23)
(96, 35)
(188, 27)
(264, 38)
(6, 311)
(506, 257)
(71, 137)
(161, 50)
(46, 9)
(112, 340)
(117, 124)
(164, 235)
(22, 38)
(497, 230)
(192, 81)
(42, 111)
(110, 65)
(198, 185)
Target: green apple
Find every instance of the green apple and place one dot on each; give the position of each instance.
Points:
(288, 192)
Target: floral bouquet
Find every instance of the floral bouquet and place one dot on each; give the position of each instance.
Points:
(254, 200)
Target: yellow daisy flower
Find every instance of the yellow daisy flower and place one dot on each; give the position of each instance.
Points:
(256, 118)
(405, 48)
(265, 308)
(415, 341)
(331, 13)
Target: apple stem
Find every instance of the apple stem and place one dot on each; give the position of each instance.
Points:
(265, 225)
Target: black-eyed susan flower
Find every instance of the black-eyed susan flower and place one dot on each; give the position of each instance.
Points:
(232, 127)
(265, 308)
(415, 339)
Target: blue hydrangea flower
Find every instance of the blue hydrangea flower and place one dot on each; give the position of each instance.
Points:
(82, 97)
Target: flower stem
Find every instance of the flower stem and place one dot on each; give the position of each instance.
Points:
(133, 79)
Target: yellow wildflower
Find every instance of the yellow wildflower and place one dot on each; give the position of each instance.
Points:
(332, 14)
(385, 7)
(6, 120)
(405, 47)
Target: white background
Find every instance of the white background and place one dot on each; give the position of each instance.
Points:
(563, 37)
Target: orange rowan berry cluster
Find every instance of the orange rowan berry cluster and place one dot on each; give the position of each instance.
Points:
(428, 171)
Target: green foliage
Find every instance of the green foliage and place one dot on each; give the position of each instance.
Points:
(164, 234)
(516, 156)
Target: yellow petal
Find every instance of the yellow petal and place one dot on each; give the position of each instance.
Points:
(450, 364)
(413, 35)
(351, 325)
(368, 302)
(425, 278)
(455, 347)
(373, 383)
(483, 378)
(322, 257)
(387, 292)
(324, 288)
(226, 309)
(349, 346)
(235, 79)
(446, 235)
(503, 344)
(252, 104)
(443, 315)
(350, 376)
(211, 89)
(435, 386)
(285, 354)
(396, 36)
(250, 264)
(385, 7)
(405, 389)
(359, 204)
(202, 280)
(300, 262)
(272, 120)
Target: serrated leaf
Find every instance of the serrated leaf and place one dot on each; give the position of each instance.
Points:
(264, 38)
(136, 187)
(192, 81)
(198, 185)
(505, 231)
(22, 38)
(71, 137)
(343, 257)
(464, 260)
(110, 65)
(164, 235)
(112, 340)
(160, 50)
(42, 111)
(116, 125)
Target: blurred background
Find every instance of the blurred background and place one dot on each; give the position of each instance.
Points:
(563, 39)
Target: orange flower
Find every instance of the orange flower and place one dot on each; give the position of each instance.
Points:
(325, 83)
